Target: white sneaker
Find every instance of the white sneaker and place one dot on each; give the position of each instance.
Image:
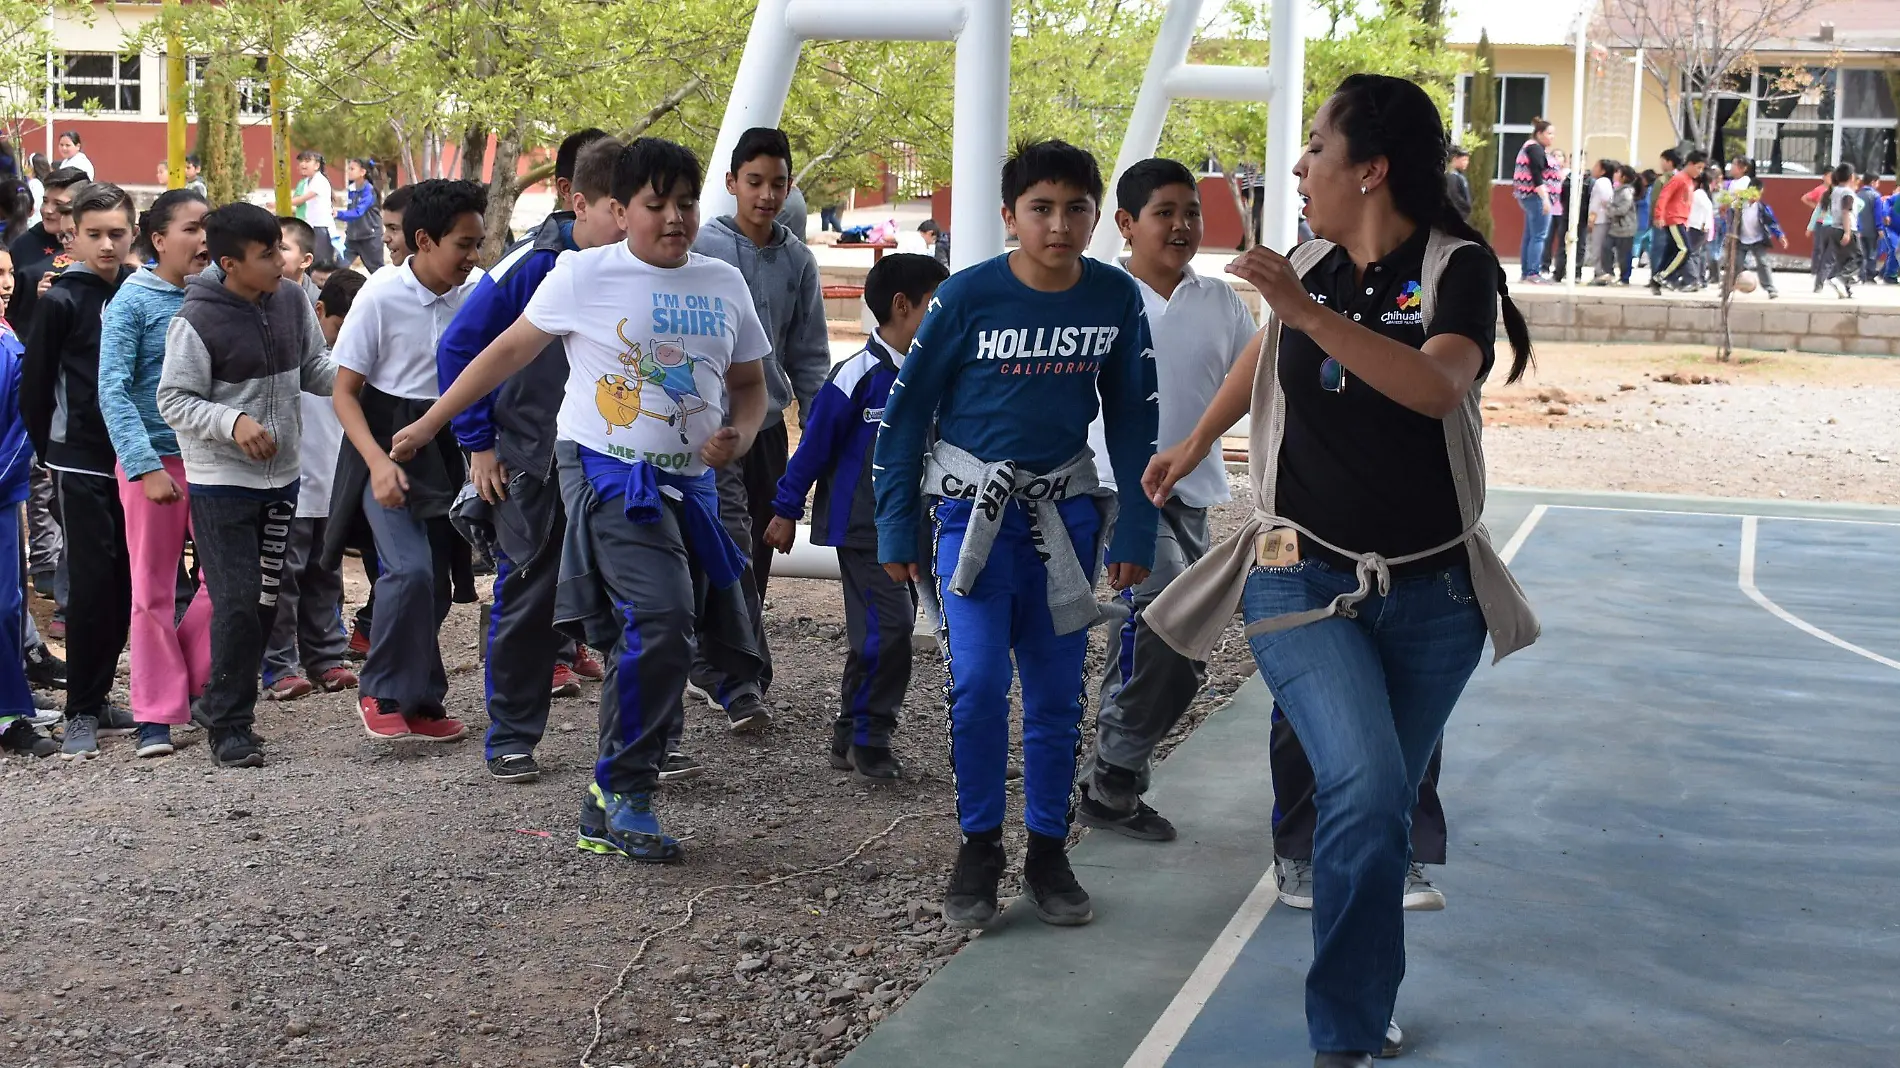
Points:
(1420, 894)
(701, 696)
(1296, 882)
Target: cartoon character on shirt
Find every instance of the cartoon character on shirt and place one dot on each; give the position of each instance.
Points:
(664, 364)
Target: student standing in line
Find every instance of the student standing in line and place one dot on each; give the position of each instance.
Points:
(509, 436)
(1835, 241)
(1199, 327)
(1626, 217)
(171, 656)
(655, 402)
(1457, 186)
(1701, 223)
(386, 378)
(59, 399)
(1011, 366)
(1870, 225)
(241, 349)
(315, 202)
(1367, 581)
(17, 733)
(1673, 205)
(362, 217)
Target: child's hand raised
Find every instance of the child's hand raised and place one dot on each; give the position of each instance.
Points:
(780, 533)
(724, 448)
(253, 439)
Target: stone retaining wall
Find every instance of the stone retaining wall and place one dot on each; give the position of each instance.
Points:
(1814, 325)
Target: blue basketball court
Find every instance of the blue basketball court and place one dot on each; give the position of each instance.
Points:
(1675, 834)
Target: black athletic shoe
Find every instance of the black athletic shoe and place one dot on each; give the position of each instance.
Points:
(237, 749)
(875, 764)
(747, 714)
(513, 767)
(21, 738)
(116, 722)
(1144, 824)
(841, 744)
(678, 766)
(970, 902)
(43, 669)
(1051, 885)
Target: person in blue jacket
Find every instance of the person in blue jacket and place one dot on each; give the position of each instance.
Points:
(362, 217)
(835, 453)
(1015, 358)
(509, 436)
(17, 734)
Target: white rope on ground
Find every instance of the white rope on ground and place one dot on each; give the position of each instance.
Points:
(620, 981)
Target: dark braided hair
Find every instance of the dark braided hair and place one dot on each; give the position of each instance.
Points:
(158, 218)
(1391, 117)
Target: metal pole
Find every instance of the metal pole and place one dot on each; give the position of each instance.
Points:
(979, 132)
(1150, 111)
(1285, 119)
(1636, 113)
(1578, 176)
(758, 98)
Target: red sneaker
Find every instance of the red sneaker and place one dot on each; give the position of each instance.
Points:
(435, 725)
(586, 666)
(384, 726)
(337, 678)
(289, 688)
(566, 683)
(359, 643)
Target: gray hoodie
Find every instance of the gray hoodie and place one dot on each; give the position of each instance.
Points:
(783, 278)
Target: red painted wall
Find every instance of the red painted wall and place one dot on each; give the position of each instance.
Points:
(128, 152)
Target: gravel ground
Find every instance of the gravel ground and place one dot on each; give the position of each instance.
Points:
(354, 903)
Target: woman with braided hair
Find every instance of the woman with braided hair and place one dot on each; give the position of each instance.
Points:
(1366, 581)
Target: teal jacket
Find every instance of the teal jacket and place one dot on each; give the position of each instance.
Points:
(131, 355)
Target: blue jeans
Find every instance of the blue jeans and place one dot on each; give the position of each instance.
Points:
(1536, 232)
(1368, 698)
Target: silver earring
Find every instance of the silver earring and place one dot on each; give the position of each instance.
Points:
(1363, 190)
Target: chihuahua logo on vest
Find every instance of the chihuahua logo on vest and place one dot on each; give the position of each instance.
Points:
(1411, 302)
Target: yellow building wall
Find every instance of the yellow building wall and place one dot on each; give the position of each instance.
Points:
(1611, 138)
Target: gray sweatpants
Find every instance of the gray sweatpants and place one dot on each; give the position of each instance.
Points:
(1145, 685)
(878, 618)
(45, 542)
(523, 645)
(308, 638)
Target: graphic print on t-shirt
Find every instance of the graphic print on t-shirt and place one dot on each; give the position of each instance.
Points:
(1411, 304)
(664, 365)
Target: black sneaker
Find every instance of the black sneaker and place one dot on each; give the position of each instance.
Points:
(21, 738)
(746, 714)
(116, 722)
(1144, 824)
(970, 902)
(679, 766)
(1050, 885)
(875, 764)
(514, 767)
(43, 669)
(237, 749)
(1114, 789)
(841, 744)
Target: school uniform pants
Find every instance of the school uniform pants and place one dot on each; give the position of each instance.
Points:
(307, 637)
(1368, 697)
(171, 655)
(742, 485)
(879, 615)
(1755, 252)
(1869, 256)
(1833, 258)
(1006, 613)
(404, 664)
(1622, 256)
(369, 250)
(241, 538)
(1669, 252)
(523, 645)
(16, 696)
(99, 602)
(1146, 686)
(46, 546)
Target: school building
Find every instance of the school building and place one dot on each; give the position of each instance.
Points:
(1844, 109)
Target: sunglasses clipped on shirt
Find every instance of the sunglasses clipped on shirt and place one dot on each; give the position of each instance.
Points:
(1332, 376)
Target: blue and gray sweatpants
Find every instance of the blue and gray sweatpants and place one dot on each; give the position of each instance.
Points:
(1007, 612)
(879, 616)
(523, 645)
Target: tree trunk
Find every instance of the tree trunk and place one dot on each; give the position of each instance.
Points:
(474, 147)
(503, 191)
(1241, 207)
(1725, 350)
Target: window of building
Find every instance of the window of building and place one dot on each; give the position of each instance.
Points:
(253, 92)
(1520, 102)
(98, 82)
(1806, 120)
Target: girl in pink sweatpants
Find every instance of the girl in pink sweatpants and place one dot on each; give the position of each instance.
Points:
(171, 661)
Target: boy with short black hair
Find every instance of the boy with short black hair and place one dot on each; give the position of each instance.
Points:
(567, 159)
(663, 386)
(834, 451)
(386, 377)
(298, 252)
(194, 175)
(241, 349)
(395, 238)
(1009, 369)
(509, 436)
(782, 275)
(1199, 327)
(936, 242)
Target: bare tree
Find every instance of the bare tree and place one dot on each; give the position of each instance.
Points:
(1694, 51)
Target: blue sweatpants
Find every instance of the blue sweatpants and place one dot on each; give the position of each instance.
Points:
(16, 697)
(1008, 611)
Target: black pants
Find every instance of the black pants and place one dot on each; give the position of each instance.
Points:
(879, 615)
(369, 250)
(99, 602)
(761, 469)
(1293, 791)
(523, 645)
(746, 490)
(241, 543)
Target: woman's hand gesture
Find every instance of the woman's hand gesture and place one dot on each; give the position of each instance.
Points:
(1279, 285)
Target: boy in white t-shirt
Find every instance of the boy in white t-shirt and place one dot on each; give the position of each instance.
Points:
(663, 348)
(385, 357)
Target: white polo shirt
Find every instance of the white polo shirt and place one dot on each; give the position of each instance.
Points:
(1198, 334)
(393, 328)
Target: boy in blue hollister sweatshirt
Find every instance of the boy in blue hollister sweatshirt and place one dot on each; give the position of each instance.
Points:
(835, 452)
(1015, 358)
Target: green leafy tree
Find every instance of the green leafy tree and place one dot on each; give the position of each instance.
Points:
(24, 43)
(221, 137)
(1484, 144)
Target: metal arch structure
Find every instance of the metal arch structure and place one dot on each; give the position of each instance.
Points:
(1171, 77)
(979, 125)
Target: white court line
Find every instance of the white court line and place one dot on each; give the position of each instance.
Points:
(1168, 1031)
(1523, 533)
(1727, 515)
(1747, 582)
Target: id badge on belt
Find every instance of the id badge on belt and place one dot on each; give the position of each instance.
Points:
(1277, 548)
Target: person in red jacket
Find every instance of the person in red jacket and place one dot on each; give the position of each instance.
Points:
(1672, 212)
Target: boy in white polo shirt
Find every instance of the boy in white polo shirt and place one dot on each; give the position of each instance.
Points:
(385, 356)
(663, 349)
(1200, 327)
